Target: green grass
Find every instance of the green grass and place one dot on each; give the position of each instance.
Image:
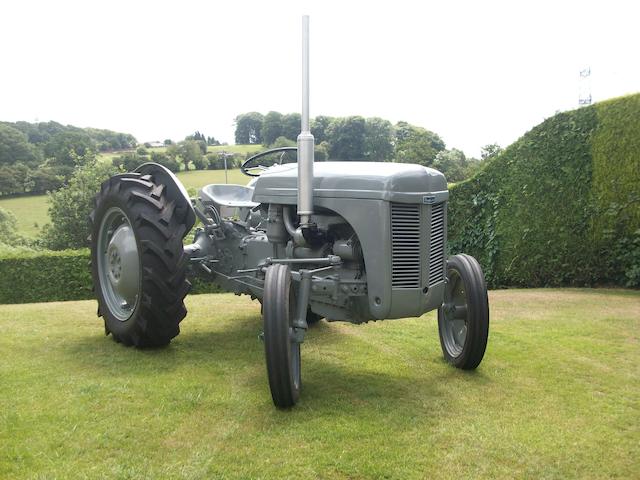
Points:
(557, 396)
(30, 211)
(200, 178)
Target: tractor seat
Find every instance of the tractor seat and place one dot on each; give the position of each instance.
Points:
(225, 195)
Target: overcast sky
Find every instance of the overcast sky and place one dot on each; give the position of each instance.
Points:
(474, 72)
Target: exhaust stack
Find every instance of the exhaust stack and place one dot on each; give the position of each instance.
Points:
(306, 142)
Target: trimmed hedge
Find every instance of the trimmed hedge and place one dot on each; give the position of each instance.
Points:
(560, 206)
(47, 276)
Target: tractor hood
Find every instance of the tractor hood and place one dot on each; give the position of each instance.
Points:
(397, 182)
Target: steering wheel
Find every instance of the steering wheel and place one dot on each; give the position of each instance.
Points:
(248, 169)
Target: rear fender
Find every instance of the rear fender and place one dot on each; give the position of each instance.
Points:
(174, 189)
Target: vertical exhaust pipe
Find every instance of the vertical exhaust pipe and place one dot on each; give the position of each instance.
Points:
(306, 141)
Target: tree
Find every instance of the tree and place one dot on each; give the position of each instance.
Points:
(291, 126)
(65, 148)
(166, 161)
(452, 163)
(416, 144)
(271, 127)
(283, 142)
(378, 144)
(9, 230)
(319, 127)
(45, 179)
(196, 136)
(201, 163)
(168, 142)
(212, 141)
(347, 138)
(189, 151)
(15, 147)
(490, 151)
(129, 161)
(321, 152)
(9, 181)
(173, 151)
(248, 128)
(70, 206)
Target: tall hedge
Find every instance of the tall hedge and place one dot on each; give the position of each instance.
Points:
(560, 206)
(47, 276)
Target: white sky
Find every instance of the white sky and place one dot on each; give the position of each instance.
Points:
(473, 72)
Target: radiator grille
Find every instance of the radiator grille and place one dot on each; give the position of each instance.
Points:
(436, 252)
(405, 245)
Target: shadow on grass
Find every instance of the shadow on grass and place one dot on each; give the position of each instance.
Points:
(234, 347)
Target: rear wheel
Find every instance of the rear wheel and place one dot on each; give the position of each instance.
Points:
(463, 319)
(281, 349)
(138, 263)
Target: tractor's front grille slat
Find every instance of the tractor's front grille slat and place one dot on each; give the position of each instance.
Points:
(407, 259)
(405, 245)
(436, 251)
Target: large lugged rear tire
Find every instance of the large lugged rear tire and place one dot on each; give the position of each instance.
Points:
(281, 350)
(138, 263)
(463, 319)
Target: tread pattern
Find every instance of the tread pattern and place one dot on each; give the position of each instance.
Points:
(277, 311)
(478, 313)
(159, 231)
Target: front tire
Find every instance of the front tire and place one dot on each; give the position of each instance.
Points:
(463, 319)
(138, 263)
(282, 351)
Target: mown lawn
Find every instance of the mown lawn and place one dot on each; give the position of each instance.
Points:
(558, 396)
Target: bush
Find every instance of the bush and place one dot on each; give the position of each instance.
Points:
(201, 162)
(71, 205)
(46, 276)
(129, 161)
(166, 161)
(8, 231)
(560, 206)
(216, 161)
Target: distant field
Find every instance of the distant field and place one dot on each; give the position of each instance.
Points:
(241, 149)
(199, 178)
(556, 397)
(32, 210)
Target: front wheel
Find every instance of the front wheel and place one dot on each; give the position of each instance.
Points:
(463, 318)
(281, 347)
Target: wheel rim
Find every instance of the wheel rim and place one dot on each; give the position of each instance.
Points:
(118, 264)
(455, 314)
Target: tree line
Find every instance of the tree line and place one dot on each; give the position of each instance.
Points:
(357, 138)
(39, 157)
(186, 154)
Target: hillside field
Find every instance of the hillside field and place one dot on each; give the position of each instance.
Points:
(557, 396)
(31, 210)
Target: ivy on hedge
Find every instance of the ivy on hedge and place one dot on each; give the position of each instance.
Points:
(46, 276)
(560, 206)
